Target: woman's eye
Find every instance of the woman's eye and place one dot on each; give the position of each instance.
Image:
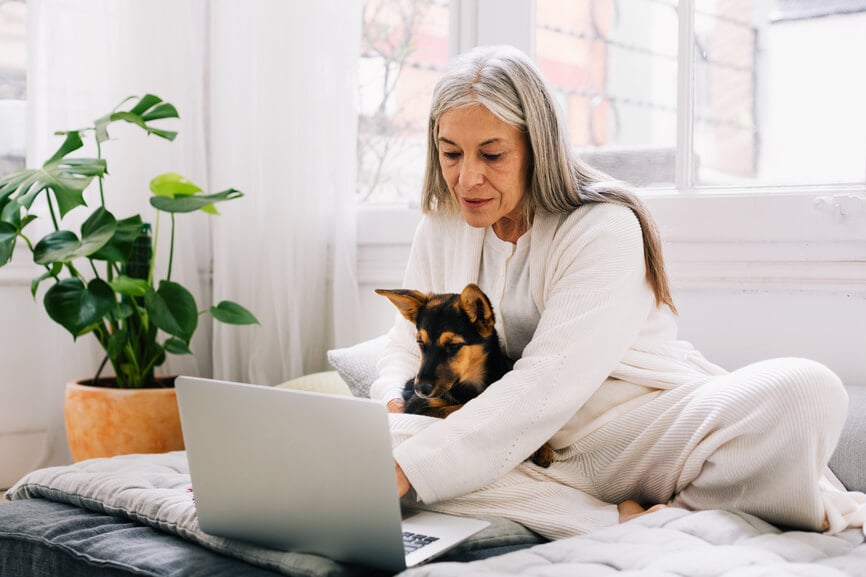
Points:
(491, 157)
(451, 155)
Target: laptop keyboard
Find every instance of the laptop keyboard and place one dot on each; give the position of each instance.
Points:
(414, 541)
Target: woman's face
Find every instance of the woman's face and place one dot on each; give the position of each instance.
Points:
(485, 163)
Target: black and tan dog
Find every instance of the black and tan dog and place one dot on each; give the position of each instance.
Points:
(460, 352)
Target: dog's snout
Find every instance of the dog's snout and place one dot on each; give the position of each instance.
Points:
(424, 388)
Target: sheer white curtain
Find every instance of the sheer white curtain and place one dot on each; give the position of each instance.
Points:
(283, 130)
(84, 57)
(265, 91)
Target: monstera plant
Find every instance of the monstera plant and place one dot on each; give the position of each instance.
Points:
(102, 277)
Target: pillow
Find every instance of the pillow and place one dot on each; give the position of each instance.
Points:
(357, 364)
(849, 460)
(325, 382)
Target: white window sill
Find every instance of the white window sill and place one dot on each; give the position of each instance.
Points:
(809, 238)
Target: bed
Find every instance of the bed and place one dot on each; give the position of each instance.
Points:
(135, 515)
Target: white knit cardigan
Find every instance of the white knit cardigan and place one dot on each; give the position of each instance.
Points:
(601, 347)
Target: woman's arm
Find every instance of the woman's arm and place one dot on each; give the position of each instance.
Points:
(403, 485)
(597, 302)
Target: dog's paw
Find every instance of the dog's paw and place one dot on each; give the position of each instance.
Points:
(544, 456)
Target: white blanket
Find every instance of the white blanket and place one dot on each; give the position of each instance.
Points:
(677, 543)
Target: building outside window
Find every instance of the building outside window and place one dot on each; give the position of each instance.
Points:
(13, 85)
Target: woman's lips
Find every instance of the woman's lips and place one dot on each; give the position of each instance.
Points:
(475, 202)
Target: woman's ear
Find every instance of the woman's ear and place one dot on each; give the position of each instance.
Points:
(408, 302)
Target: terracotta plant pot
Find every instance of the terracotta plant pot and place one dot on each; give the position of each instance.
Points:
(102, 421)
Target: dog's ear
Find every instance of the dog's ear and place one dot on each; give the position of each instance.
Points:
(477, 307)
(408, 302)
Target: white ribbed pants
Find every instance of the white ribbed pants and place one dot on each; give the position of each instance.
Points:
(755, 440)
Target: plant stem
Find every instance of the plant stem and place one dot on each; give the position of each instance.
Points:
(99, 370)
(99, 155)
(150, 365)
(170, 249)
(72, 270)
(93, 267)
(155, 245)
(133, 359)
(51, 211)
(108, 274)
(27, 240)
(103, 338)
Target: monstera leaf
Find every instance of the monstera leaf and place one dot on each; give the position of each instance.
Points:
(232, 313)
(148, 108)
(64, 246)
(174, 193)
(118, 248)
(67, 178)
(78, 307)
(172, 308)
(8, 234)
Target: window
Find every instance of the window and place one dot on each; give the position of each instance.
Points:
(613, 66)
(404, 50)
(809, 118)
(13, 86)
(762, 94)
(776, 88)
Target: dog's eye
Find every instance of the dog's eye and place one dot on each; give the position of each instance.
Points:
(453, 347)
(422, 346)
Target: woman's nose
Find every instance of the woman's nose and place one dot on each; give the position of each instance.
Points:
(471, 173)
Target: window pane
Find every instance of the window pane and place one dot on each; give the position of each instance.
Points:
(614, 68)
(779, 92)
(13, 87)
(404, 50)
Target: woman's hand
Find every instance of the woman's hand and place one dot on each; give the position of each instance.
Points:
(630, 509)
(403, 485)
(395, 406)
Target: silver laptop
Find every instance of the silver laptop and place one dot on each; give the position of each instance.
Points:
(305, 472)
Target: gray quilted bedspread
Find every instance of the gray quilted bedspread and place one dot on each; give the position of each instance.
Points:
(678, 543)
(155, 490)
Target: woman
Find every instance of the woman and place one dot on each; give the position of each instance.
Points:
(572, 263)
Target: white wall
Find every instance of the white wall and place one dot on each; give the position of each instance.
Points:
(38, 358)
(770, 276)
(753, 277)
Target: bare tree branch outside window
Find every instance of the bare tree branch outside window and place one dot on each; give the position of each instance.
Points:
(399, 48)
